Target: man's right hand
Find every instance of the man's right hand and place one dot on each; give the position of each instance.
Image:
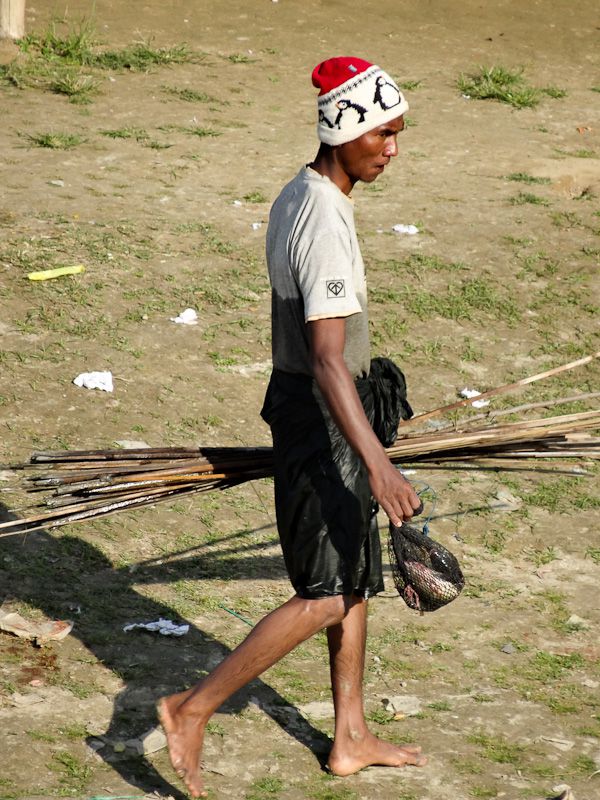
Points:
(393, 492)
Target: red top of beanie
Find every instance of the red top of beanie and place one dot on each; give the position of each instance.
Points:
(335, 71)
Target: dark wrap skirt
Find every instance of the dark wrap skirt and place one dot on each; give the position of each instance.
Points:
(326, 516)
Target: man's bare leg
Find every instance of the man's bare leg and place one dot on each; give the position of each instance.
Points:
(354, 746)
(184, 715)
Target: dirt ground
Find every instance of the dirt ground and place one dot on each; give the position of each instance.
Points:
(157, 198)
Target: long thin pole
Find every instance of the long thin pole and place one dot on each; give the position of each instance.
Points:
(499, 390)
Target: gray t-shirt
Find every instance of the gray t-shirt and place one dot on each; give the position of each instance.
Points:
(316, 272)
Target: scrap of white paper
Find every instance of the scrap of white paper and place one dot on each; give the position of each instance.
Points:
(188, 316)
(474, 393)
(95, 380)
(166, 627)
(408, 229)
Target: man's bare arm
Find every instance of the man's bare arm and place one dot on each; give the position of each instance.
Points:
(391, 490)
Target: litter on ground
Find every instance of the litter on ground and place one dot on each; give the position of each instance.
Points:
(95, 380)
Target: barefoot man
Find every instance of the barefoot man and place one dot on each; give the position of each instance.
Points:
(331, 470)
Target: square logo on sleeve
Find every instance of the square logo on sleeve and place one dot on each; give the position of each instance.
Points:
(336, 288)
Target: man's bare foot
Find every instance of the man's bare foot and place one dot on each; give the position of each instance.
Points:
(368, 751)
(185, 736)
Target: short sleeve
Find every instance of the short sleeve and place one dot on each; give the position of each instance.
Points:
(324, 273)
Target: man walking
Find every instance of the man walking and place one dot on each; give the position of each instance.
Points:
(329, 464)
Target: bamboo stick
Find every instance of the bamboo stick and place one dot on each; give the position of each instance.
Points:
(500, 390)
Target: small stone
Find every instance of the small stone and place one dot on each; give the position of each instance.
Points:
(508, 648)
(505, 501)
(404, 705)
(577, 622)
(318, 710)
(56, 183)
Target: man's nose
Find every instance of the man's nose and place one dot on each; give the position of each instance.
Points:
(391, 147)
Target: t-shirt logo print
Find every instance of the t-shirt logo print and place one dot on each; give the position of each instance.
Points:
(336, 288)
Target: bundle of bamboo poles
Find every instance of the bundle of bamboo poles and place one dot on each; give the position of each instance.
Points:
(87, 484)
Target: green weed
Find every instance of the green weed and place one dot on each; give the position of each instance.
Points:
(409, 86)
(240, 58)
(523, 177)
(594, 554)
(189, 95)
(524, 198)
(255, 197)
(555, 92)
(55, 141)
(265, 788)
(141, 56)
(77, 86)
(201, 132)
(139, 134)
(545, 556)
(41, 736)
(499, 83)
(497, 748)
(74, 774)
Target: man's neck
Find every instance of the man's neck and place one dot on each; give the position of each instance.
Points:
(327, 164)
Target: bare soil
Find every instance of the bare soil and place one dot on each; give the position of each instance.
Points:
(501, 282)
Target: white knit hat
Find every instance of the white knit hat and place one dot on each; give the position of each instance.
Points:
(356, 96)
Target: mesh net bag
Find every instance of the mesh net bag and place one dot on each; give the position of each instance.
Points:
(426, 575)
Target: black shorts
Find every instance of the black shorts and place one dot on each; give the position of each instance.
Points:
(326, 515)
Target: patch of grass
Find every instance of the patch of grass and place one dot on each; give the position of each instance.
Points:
(380, 716)
(409, 86)
(555, 92)
(255, 197)
(497, 748)
(77, 86)
(55, 141)
(141, 56)
(335, 791)
(41, 736)
(524, 177)
(483, 792)
(240, 58)
(72, 42)
(544, 666)
(74, 731)
(200, 131)
(524, 198)
(63, 58)
(265, 788)
(139, 134)
(501, 84)
(584, 765)
(544, 556)
(188, 95)
(594, 554)
(460, 302)
(74, 774)
(561, 495)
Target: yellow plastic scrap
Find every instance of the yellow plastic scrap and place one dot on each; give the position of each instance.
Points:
(58, 272)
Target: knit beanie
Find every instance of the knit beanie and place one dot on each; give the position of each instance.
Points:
(355, 96)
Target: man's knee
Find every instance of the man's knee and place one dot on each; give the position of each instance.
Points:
(328, 610)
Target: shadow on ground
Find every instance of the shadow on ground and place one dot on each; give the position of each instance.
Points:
(61, 573)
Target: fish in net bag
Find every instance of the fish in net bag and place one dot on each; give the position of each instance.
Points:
(426, 574)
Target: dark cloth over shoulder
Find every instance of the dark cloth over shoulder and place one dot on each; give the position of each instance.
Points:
(326, 516)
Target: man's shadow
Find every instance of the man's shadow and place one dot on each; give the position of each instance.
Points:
(61, 573)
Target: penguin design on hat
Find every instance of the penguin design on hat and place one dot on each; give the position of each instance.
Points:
(344, 105)
(386, 93)
(325, 120)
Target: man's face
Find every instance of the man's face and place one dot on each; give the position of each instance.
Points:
(365, 158)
